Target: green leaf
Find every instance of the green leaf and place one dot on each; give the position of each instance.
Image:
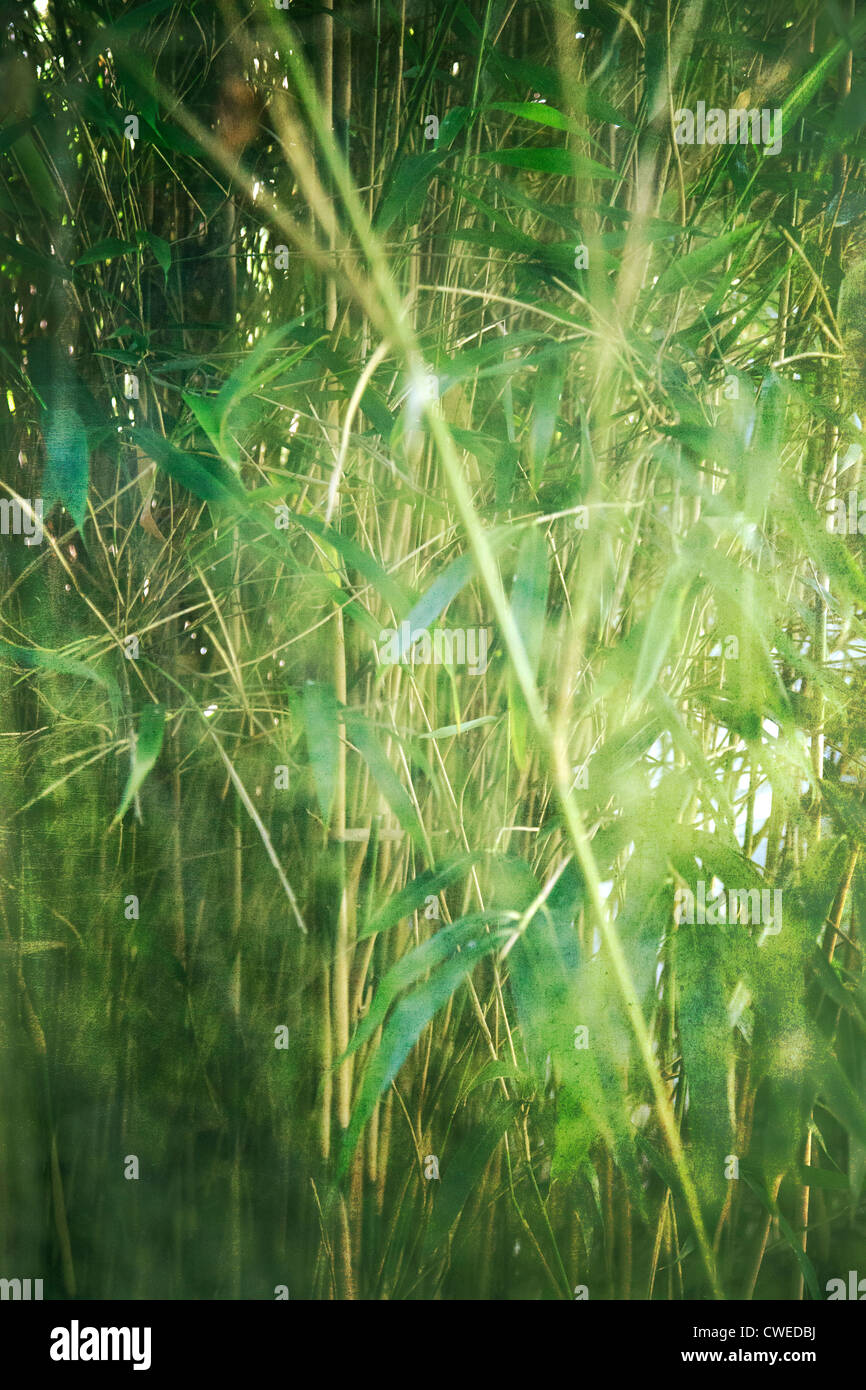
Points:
(838, 1095)
(686, 270)
(322, 727)
(451, 125)
(545, 408)
(524, 74)
(528, 606)
(431, 953)
(35, 658)
(67, 464)
(205, 412)
(659, 631)
(105, 251)
(383, 773)
(598, 109)
(807, 1269)
(416, 893)
(814, 79)
(824, 1178)
(539, 112)
(13, 132)
(826, 550)
(359, 559)
(148, 745)
(404, 1028)
(551, 161)
(443, 589)
(255, 370)
(160, 248)
(36, 175)
(192, 473)
(462, 1170)
(454, 730)
(405, 197)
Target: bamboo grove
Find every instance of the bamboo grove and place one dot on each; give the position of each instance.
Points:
(445, 639)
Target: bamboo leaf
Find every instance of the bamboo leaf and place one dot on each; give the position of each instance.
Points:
(811, 83)
(463, 1169)
(160, 248)
(528, 606)
(659, 632)
(688, 269)
(191, 472)
(106, 250)
(67, 468)
(436, 599)
(405, 1026)
(416, 893)
(359, 559)
(550, 161)
(35, 659)
(321, 723)
(383, 773)
(148, 745)
(439, 948)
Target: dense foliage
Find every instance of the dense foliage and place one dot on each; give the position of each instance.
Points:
(329, 966)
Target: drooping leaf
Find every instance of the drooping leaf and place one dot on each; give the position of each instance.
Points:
(389, 784)
(67, 463)
(410, 1016)
(550, 161)
(35, 659)
(528, 606)
(660, 630)
(688, 269)
(322, 726)
(191, 472)
(148, 744)
(359, 559)
(462, 1169)
(440, 593)
(416, 893)
(464, 932)
(106, 250)
(160, 248)
(406, 194)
